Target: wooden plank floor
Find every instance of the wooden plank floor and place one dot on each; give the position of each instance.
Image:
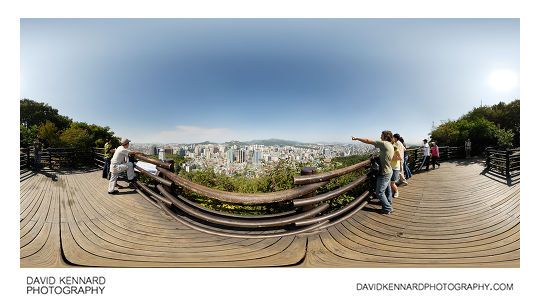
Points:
(452, 216)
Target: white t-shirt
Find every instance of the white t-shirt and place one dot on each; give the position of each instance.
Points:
(120, 155)
(426, 150)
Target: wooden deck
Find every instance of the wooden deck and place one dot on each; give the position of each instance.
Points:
(455, 216)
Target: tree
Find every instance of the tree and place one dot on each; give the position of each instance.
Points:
(497, 125)
(28, 135)
(48, 132)
(76, 137)
(97, 134)
(37, 113)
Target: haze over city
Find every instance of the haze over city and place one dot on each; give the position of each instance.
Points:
(306, 80)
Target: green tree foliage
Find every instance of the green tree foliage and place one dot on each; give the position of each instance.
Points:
(38, 118)
(497, 125)
(76, 137)
(48, 133)
(37, 113)
(96, 134)
(28, 135)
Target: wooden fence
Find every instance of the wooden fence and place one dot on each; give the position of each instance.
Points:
(505, 161)
(57, 157)
(309, 210)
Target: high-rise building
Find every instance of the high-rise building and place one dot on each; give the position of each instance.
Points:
(257, 156)
(230, 156)
(161, 154)
(242, 156)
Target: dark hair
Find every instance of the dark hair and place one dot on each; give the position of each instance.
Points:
(397, 136)
(402, 141)
(425, 140)
(387, 136)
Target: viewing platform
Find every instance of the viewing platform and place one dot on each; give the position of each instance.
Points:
(458, 215)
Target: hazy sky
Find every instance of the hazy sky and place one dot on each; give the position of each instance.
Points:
(309, 80)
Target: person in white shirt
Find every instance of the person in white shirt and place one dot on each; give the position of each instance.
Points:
(119, 163)
(426, 156)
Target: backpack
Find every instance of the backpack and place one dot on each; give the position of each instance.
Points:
(375, 164)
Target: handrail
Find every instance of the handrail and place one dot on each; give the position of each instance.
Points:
(153, 161)
(504, 161)
(242, 198)
(225, 221)
(330, 194)
(315, 178)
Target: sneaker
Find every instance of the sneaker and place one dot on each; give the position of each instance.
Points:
(112, 192)
(396, 194)
(404, 183)
(385, 212)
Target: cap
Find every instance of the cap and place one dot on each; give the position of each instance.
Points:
(125, 141)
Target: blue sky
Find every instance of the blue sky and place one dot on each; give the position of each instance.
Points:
(309, 80)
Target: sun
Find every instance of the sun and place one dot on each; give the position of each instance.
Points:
(503, 80)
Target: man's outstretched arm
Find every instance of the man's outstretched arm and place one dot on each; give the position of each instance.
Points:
(364, 140)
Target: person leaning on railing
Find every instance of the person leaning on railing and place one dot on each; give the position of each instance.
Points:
(119, 164)
(386, 153)
(109, 151)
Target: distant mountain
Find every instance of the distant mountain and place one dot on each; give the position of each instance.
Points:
(274, 141)
(265, 142)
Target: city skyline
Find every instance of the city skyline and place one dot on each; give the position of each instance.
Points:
(307, 80)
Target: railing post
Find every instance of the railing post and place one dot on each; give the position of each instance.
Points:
(508, 162)
(173, 187)
(308, 170)
(487, 158)
(50, 158)
(28, 164)
(415, 156)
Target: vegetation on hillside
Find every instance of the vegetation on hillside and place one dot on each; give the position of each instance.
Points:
(38, 119)
(497, 125)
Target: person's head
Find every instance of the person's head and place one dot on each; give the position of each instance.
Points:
(425, 141)
(396, 137)
(386, 136)
(107, 140)
(468, 139)
(434, 143)
(125, 142)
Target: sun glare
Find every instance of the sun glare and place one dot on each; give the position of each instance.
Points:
(503, 80)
